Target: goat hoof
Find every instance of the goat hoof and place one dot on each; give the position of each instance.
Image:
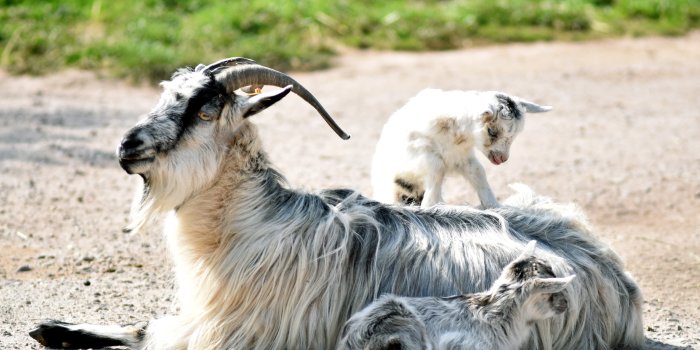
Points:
(63, 335)
(52, 334)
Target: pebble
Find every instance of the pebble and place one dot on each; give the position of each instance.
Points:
(24, 268)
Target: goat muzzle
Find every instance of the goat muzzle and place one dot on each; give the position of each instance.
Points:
(497, 158)
(135, 152)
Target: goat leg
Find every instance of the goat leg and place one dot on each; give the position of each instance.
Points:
(63, 335)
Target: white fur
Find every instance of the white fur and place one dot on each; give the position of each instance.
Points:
(436, 134)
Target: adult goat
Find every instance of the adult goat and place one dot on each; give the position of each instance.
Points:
(259, 265)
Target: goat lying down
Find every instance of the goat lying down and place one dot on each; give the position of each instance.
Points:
(436, 134)
(261, 266)
(498, 319)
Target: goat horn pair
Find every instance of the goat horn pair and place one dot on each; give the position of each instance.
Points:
(237, 72)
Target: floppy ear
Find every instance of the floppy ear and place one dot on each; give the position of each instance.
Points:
(258, 103)
(551, 285)
(532, 107)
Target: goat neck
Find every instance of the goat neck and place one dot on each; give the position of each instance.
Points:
(201, 216)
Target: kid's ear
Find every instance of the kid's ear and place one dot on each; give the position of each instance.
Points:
(257, 103)
(532, 107)
(551, 285)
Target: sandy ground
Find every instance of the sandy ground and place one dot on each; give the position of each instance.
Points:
(623, 142)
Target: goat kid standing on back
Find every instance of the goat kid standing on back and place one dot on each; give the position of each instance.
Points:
(501, 318)
(259, 265)
(435, 134)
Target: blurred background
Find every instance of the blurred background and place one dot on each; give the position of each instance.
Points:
(146, 40)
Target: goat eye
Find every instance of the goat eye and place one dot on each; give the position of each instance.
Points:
(204, 116)
(493, 133)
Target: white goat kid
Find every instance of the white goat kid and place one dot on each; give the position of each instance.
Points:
(435, 134)
(501, 318)
(261, 266)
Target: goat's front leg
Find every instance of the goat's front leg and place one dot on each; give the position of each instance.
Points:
(63, 335)
(474, 172)
(433, 185)
(167, 333)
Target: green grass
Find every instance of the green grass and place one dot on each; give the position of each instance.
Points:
(147, 40)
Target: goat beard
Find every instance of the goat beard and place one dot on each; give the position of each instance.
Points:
(161, 192)
(143, 208)
(151, 200)
(174, 179)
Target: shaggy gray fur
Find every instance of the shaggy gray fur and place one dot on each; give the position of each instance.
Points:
(498, 319)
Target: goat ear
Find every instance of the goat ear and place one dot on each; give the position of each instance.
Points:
(552, 285)
(257, 103)
(199, 67)
(532, 107)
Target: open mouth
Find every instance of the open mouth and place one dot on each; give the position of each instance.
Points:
(135, 165)
(495, 159)
(136, 160)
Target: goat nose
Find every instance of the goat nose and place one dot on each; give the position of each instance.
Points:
(131, 142)
(504, 157)
(135, 143)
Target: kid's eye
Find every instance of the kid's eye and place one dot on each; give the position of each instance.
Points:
(204, 116)
(493, 133)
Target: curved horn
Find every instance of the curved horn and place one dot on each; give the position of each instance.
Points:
(226, 62)
(240, 75)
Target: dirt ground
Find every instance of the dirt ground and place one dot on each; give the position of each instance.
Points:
(623, 142)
